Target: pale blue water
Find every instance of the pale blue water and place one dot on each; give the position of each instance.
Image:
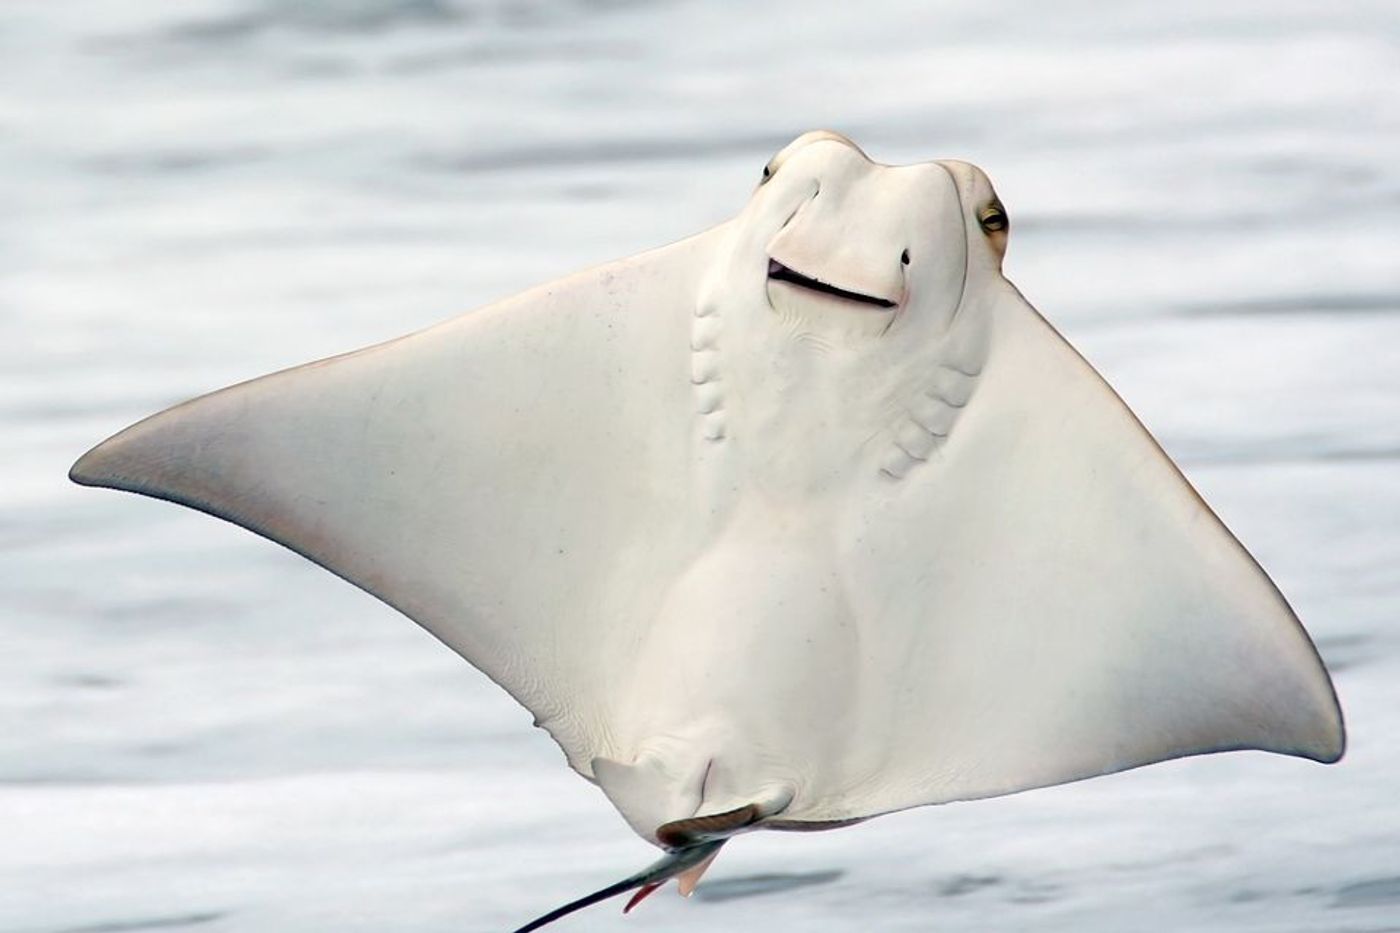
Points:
(199, 730)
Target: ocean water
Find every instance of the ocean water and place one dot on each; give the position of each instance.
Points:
(199, 730)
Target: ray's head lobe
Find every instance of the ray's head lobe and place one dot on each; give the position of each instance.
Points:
(988, 223)
(842, 250)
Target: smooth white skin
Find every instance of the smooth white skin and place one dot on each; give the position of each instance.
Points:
(733, 540)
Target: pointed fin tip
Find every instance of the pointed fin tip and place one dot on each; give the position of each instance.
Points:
(1325, 741)
(107, 463)
(141, 458)
(105, 467)
(1333, 755)
(86, 470)
(1334, 747)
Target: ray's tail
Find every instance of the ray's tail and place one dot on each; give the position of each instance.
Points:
(648, 879)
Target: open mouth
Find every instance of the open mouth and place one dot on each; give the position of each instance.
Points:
(782, 273)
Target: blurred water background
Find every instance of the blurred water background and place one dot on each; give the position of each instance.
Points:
(199, 730)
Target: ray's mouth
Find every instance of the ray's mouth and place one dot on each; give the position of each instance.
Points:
(781, 273)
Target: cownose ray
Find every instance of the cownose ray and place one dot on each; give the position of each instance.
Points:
(805, 519)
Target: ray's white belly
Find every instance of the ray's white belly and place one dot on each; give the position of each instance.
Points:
(752, 659)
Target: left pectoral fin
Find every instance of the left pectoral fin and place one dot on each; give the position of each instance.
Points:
(492, 477)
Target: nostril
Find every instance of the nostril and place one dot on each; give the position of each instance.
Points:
(904, 257)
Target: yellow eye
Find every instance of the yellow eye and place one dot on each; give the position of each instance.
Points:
(993, 218)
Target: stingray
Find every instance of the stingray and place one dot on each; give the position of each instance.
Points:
(805, 519)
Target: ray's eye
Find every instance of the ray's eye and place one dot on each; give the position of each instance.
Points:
(993, 218)
(904, 257)
(767, 173)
